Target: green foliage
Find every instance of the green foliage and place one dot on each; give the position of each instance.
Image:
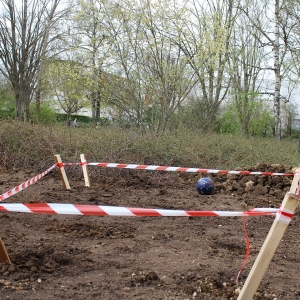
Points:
(61, 117)
(24, 145)
(67, 81)
(7, 107)
(254, 119)
(263, 125)
(104, 122)
(80, 118)
(227, 123)
(47, 114)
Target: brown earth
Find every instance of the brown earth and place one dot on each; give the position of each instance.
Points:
(89, 257)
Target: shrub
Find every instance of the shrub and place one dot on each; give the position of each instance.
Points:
(33, 146)
(47, 114)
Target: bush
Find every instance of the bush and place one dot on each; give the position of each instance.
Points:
(7, 106)
(258, 121)
(33, 146)
(80, 118)
(47, 115)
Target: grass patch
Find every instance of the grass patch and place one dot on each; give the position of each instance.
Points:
(24, 146)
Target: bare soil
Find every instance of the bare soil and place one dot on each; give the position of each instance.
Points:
(89, 257)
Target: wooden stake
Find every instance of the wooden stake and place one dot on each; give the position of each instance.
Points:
(62, 172)
(289, 204)
(84, 170)
(3, 254)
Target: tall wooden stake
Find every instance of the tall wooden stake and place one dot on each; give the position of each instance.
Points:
(3, 254)
(280, 224)
(62, 172)
(84, 170)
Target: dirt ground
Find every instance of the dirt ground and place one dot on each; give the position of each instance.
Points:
(179, 258)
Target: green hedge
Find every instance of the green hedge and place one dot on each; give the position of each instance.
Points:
(82, 119)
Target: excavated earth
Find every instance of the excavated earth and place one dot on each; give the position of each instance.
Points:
(178, 258)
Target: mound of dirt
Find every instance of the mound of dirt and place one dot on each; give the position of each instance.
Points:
(89, 257)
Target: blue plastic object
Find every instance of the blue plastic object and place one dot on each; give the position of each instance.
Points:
(205, 186)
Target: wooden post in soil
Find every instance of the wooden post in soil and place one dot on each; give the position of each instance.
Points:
(84, 170)
(280, 224)
(62, 172)
(3, 254)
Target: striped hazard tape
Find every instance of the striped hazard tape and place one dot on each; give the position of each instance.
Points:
(25, 184)
(181, 169)
(100, 210)
(284, 215)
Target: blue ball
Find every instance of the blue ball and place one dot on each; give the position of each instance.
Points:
(205, 186)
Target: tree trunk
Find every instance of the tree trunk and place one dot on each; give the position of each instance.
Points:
(22, 103)
(98, 103)
(93, 103)
(38, 101)
(26, 110)
(18, 107)
(98, 97)
(277, 76)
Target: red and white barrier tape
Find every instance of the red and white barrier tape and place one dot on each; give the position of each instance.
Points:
(284, 216)
(25, 184)
(181, 169)
(68, 164)
(100, 210)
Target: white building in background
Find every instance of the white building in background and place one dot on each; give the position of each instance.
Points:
(53, 102)
(85, 111)
(105, 112)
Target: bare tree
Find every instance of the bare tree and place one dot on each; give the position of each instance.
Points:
(24, 37)
(92, 45)
(155, 76)
(205, 38)
(246, 72)
(276, 35)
